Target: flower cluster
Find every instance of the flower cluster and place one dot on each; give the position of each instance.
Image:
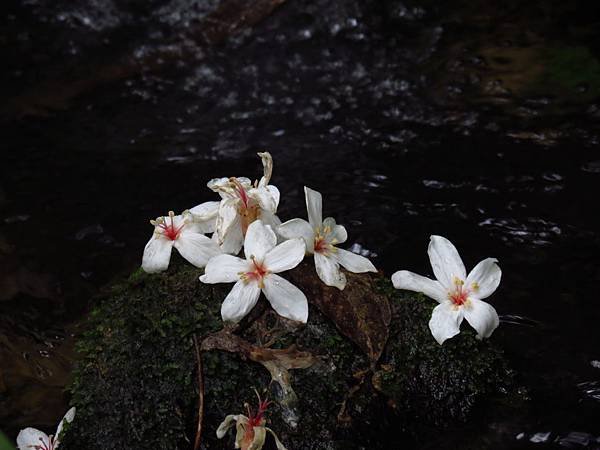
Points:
(246, 216)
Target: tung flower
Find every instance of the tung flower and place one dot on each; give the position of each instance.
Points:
(251, 431)
(460, 295)
(242, 203)
(184, 232)
(257, 272)
(32, 439)
(321, 237)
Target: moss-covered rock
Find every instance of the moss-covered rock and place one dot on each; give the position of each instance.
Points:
(136, 382)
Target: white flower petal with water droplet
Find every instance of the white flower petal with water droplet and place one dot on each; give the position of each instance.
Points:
(485, 277)
(329, 272)
(445, 321)
(240, 301)
(482, 316)
(260, 239)
(224, 269)
(157, 254)
(285, 298)
(445, 261)
(409, 281)
(353, 262)
(285, 256)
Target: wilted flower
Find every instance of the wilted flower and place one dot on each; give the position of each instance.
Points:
(242, 203)
(257, 272)
(250, 430)
(184, 232)
(459, 295)
(321, 237)
(32, 439)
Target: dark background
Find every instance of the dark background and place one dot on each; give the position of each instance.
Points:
(470, 119)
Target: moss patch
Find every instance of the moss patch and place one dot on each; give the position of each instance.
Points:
(135, 386)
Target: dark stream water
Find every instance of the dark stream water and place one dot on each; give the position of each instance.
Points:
(470, 120)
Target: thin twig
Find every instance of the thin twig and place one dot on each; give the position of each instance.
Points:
(198, 439)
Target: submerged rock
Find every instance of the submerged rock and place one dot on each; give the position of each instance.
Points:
(364, 375)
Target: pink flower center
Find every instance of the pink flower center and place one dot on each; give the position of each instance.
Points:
(460, 295)
(320, 244)
(258, 272)
(167, 226)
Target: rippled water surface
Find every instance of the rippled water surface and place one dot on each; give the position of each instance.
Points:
(473, 121)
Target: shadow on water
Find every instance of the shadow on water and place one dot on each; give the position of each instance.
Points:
(473, 121)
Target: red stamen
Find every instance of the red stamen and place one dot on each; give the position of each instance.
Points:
(460, 296)
(170, 231)
(320, 245)
(241, 191)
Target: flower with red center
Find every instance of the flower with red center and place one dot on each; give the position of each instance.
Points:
(185, 232)
(460, 295)
(257, 273)
(242, 203)
(321, 237)
(251, 430)
(32, 439)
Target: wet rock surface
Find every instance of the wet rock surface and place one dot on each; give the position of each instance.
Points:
(136, 379)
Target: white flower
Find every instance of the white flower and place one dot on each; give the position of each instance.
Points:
(256, 273)
(459, 295)
(32, 439)
(250, 430)
(321, 237)
(242, 203)
(184, 232)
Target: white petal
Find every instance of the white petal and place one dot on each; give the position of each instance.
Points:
(227, 423)
(224, 269)
(278, 443)
(486, 276)
(226, 188)
(205, 216)
(240, 301)
(445, 321)
(268, 218)
(338, 234)
(264, 197)
(228, 218)
(285, 256)
(30, 437)
(482, 316)
(298, 228)
(314, 206)
(353, 262)
(410, 281)
(68, 418)
(445, 261)
(260, 239)
(328, 270)
(196, 248)
(157, 254)
(259, 438)
(285, 298)
(275, 193)
(233, 241)
(220, 185)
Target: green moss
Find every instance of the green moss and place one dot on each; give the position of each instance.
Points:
(570, 68)
(135, 386)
